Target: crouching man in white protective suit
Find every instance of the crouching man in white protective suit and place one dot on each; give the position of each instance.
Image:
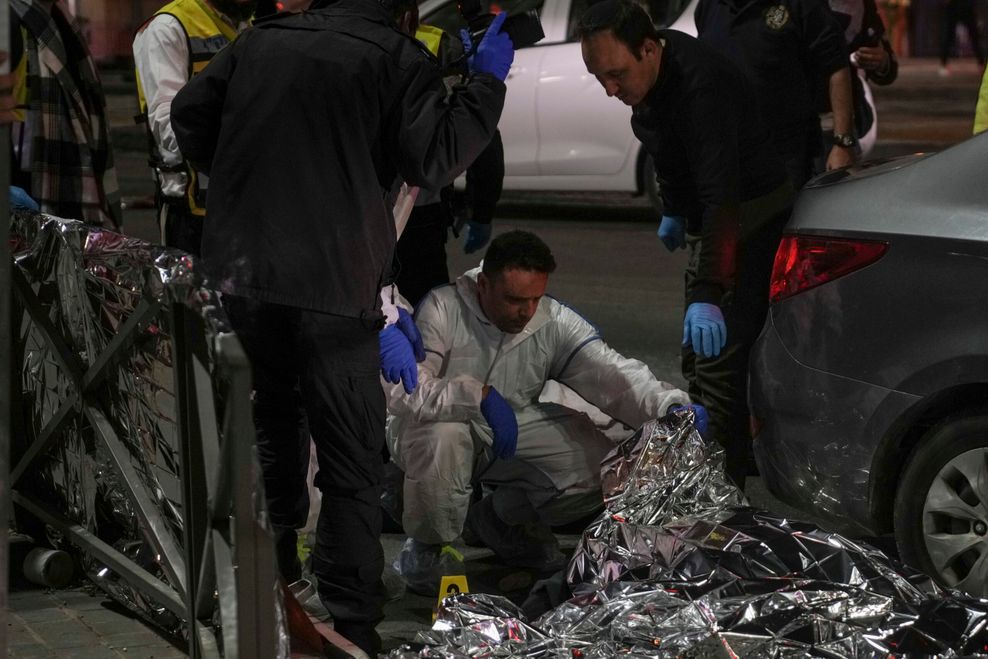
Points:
(492, 341)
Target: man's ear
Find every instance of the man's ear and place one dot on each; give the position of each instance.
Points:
(409, 21)
(482, 281)
(649, 48)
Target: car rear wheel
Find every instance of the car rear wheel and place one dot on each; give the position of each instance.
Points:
(649, 185)
(941, 506)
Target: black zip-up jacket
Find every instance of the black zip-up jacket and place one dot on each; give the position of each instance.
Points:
(701, 125)
(303, 125)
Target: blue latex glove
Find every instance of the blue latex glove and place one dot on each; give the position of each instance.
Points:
(672, 232)
(478, 235)
(700, 417)
(19, 198)
(501, 418)
(495, 53)
(398, 358)
(407, 326)
(704, 327)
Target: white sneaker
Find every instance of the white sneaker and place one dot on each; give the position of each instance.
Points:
(943, 72)
(308, 596)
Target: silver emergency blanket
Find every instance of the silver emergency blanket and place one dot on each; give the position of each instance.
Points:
(89, 283)
(679, 566)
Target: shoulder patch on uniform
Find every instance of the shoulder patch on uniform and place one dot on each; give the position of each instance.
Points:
(776, 17)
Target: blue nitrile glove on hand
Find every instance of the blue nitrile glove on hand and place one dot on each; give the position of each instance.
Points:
(407, 326)
(700, 417)
(672, 232)
(704, 327)
(478, 235)
(19, 198)
(495, 53)
(501, 418)
(398, 358)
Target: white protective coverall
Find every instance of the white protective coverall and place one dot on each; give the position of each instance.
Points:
(437, 435)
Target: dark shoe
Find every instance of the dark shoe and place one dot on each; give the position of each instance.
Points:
(361, 634)
(524, 545)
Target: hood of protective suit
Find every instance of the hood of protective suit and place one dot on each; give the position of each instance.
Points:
(466, 289)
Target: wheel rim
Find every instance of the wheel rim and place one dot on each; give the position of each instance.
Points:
(955, 522)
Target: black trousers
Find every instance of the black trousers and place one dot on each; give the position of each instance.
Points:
(180, 228)
(317, 373)
(959, 12)
(721, 383)
(422, 252)
(485, 180)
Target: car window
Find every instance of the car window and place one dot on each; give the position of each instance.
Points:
(448, 16)
(663, 13)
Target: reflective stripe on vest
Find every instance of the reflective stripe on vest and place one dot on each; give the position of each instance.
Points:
(206, 34)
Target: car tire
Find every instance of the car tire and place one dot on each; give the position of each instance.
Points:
(649, 185)
(941, 505)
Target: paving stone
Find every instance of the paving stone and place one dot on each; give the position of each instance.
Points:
(44, 626)
(34, 616)
(102, 615)
(71, 638)
(22, 638)
(98, 652)
(167, 653)
(34, 652)
(82, 601)
(21, 595)
(134, 639)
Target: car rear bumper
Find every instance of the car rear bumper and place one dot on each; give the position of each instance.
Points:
(819, 433)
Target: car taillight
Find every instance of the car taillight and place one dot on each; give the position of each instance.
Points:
(803, 262)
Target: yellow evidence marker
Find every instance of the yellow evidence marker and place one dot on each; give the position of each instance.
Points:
(450, 585)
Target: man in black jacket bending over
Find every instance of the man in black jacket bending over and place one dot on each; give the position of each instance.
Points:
(698, 119)
(304, 124)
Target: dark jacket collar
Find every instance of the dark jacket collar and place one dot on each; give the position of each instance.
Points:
(654, 96)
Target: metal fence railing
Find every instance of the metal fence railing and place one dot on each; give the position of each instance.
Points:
(133, 437)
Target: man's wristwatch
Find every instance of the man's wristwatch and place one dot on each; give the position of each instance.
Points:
(846, 141)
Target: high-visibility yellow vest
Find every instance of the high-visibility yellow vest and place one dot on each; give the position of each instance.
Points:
(20, 84)
(430, 37)
(206, 33)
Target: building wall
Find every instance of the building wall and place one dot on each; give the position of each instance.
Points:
(110, 24)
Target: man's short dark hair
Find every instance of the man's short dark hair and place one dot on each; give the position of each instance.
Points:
(628, 21)
(518, 250)
(396, 7)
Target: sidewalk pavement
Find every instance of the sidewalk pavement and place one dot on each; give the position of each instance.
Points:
(78, 625)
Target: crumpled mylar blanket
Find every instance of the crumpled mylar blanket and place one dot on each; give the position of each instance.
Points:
(89, 282)
(678, 566)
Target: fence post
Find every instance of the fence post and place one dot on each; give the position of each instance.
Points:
(6, 340)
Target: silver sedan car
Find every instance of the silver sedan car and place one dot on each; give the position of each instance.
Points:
(869, 382)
